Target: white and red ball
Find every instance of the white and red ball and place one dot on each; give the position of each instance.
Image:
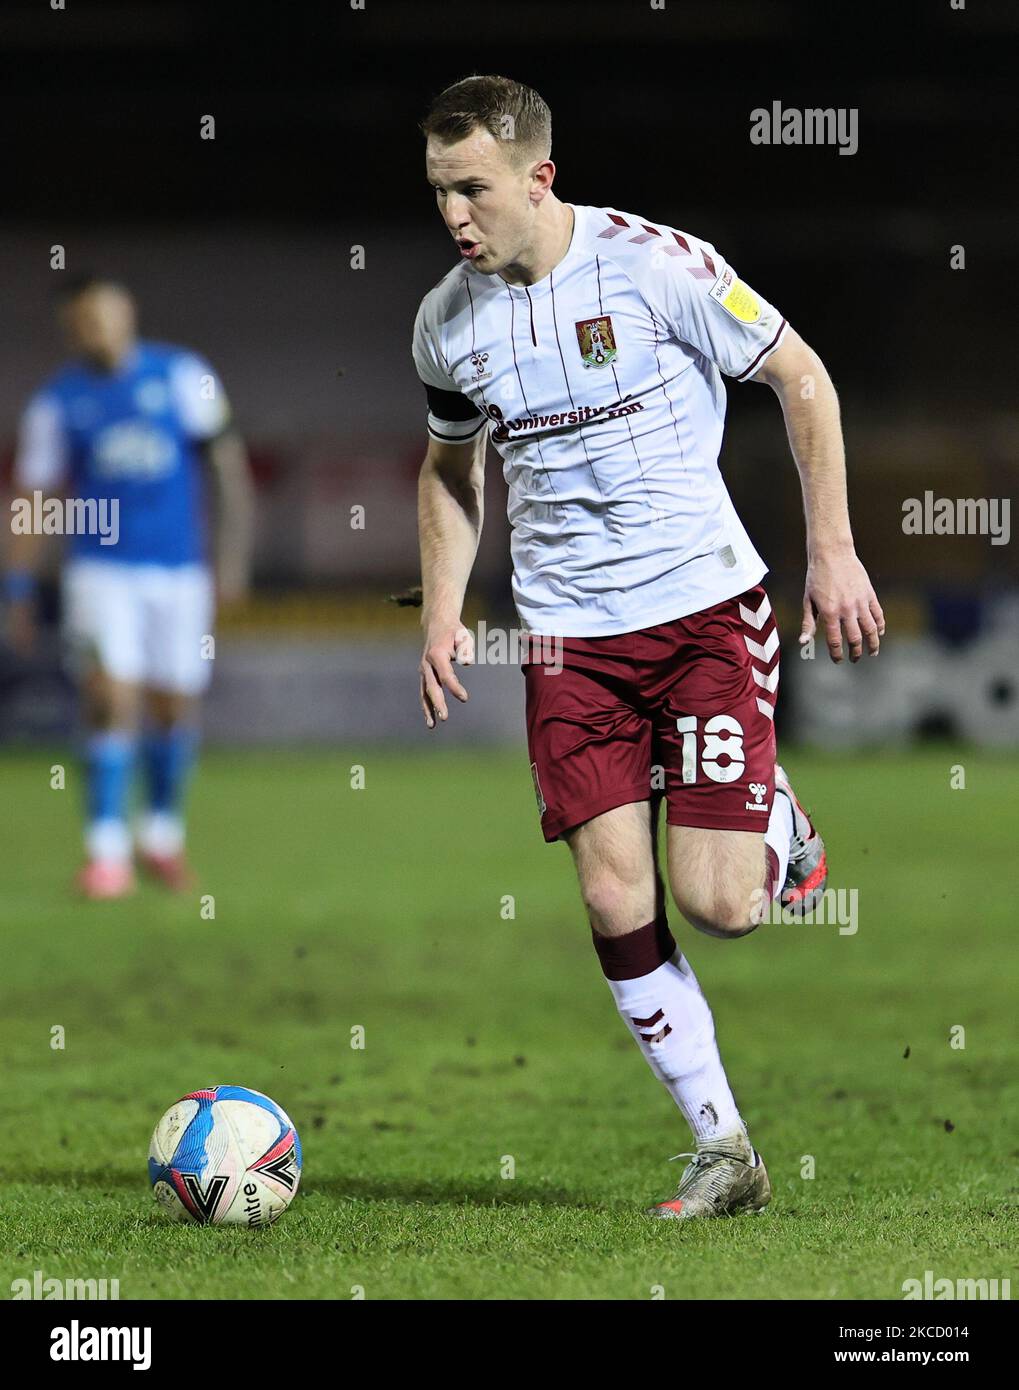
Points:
(225, 1155)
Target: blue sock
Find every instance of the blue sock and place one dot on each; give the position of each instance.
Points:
(169, 755)
(109, 761)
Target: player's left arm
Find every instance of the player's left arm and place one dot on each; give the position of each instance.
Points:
(233, 509)
(837, 590)
(206, 417)
(699, 296)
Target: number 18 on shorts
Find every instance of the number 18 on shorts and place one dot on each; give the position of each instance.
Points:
(684, 709)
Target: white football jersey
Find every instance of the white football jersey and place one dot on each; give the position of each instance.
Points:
(600, 386)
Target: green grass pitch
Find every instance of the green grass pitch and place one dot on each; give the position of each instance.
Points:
(492, 1045)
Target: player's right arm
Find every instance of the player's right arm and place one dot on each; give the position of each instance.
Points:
(40, 464)
(450, 513)
(450, 517)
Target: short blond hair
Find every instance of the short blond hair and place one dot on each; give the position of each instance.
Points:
(508, 110)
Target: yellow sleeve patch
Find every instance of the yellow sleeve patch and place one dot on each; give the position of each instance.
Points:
(736, 298)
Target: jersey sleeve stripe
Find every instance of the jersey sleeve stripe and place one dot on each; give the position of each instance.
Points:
(455, 432)
(765, 352)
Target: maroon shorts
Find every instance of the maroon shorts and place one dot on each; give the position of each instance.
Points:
(683, 710)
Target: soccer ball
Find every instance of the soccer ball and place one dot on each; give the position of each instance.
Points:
(225, 1155)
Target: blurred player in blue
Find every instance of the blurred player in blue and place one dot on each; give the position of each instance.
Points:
(138, 433)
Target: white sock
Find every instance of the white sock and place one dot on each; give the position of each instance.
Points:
(161, 833)
(668, 1015)
(109, 840)
(778, 835)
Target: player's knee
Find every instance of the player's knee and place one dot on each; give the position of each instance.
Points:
(166, 710)
(721, 914)
(615, 903)
(107, 710)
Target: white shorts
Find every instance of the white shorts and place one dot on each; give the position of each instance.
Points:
(144, 624)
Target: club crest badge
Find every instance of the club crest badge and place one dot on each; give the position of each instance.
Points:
(597, 341)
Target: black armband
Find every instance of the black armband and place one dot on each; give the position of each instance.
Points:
(451, 405)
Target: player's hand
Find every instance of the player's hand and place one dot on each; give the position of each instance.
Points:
(232, 588)
(442, 648)
(22, 628)
(840, 595)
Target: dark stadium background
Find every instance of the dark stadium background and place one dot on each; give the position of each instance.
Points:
(240, 247)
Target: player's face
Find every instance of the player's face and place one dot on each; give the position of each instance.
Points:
(485, 200)
(100, 324)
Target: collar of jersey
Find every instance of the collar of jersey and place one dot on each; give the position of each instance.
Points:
(128, 365)
(573, 252)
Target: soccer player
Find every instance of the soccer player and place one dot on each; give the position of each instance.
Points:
(590, 344)
(128, 431)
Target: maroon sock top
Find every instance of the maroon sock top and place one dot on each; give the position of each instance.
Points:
(638, 952)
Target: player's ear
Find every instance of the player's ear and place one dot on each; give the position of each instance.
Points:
(542, 174)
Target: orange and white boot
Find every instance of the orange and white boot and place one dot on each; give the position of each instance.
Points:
(807, 873)
(725, 1176)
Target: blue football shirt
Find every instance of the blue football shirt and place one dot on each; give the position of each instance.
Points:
(132, 434)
